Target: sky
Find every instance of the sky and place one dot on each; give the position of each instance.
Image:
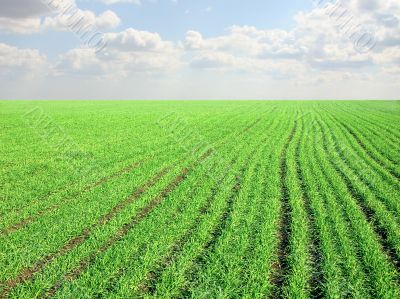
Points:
(186, 49)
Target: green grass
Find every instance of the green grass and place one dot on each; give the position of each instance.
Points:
(200, 199)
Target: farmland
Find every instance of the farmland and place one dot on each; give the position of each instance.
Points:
(200, 199)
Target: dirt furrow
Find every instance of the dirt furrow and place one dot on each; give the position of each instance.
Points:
(200, 260)
(28, 273)
(281, 267)
(149, 283)
(314, 242)
(124, 230)
(30, 219)
(369, 213)
(365, 149)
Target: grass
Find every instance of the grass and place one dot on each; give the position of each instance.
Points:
(200, 199)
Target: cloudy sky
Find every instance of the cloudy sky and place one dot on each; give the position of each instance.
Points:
(186, 49)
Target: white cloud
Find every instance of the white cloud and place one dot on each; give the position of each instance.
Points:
(15, 61)
(16, 19)
(389, 56)
(317, 50)
(63, 22)
(20, 26)
(135, 40)
(316, 43)
(127, 52)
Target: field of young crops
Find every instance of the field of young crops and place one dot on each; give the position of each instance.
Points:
(200, 199)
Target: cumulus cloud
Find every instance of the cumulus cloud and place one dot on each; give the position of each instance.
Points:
(15, 61)
(20, 25)
(127, 52)
(21, 16)
(58, 15)
(317, 42)
(319, 48)
(63, 22)
(135, 40)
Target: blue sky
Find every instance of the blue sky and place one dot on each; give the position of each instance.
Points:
(173, 19)
(201, 49)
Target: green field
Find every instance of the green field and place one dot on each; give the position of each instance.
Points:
(200, 199)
